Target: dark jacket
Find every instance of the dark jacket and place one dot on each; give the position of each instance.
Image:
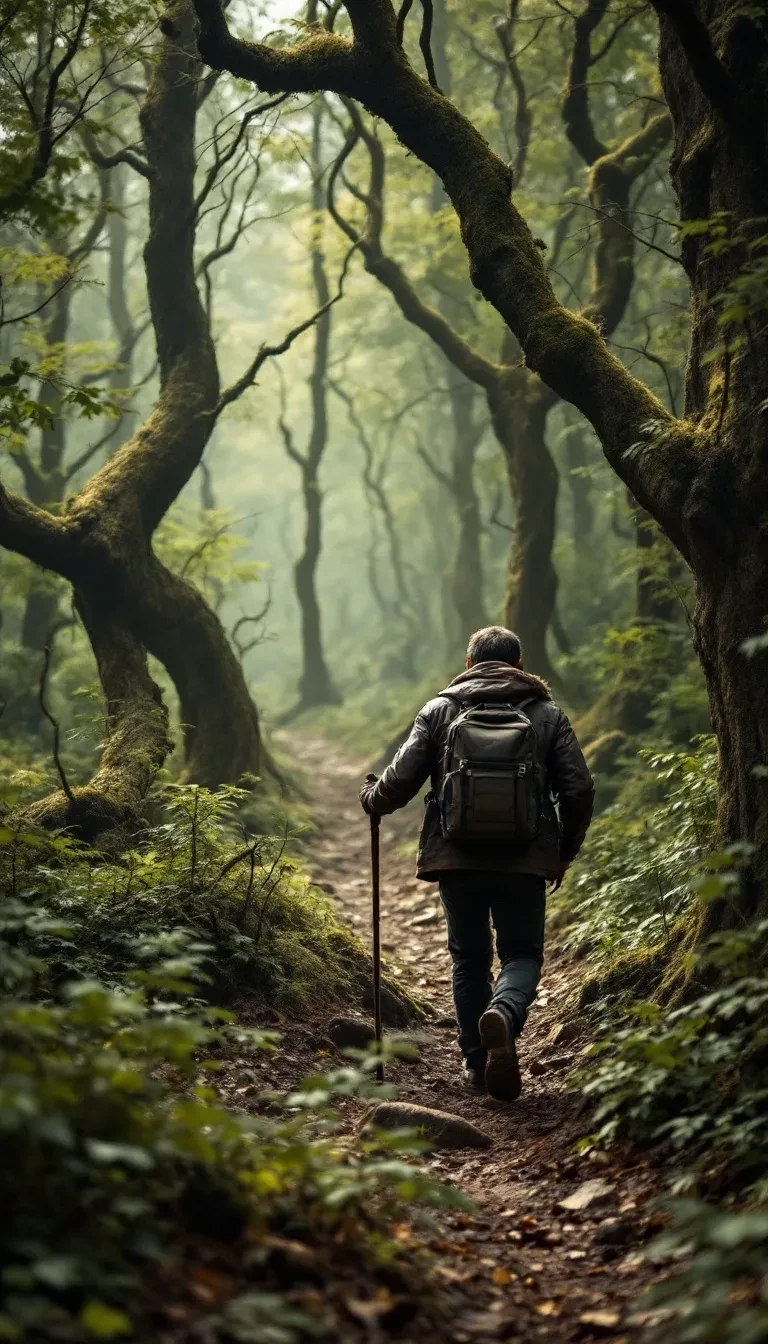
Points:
(564, 774)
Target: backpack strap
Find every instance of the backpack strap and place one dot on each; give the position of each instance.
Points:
(529, 700)
(449, 695)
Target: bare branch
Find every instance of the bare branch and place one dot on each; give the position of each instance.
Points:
(255, 620)
(385, 269)
(266, 352)
(32, 312)
(125, 155)
(505, 32)
(577, 118)
(52, 720)
(429, 462)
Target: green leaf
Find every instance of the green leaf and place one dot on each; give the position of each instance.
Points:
(122, 1153)
(104, 1322)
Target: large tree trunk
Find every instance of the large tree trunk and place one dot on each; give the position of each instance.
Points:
(720, 164)
(222, 740)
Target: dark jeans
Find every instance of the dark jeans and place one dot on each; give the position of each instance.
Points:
(515, 902)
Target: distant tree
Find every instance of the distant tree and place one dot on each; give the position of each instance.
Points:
(316, 685)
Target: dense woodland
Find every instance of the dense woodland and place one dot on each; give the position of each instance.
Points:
(330, 332)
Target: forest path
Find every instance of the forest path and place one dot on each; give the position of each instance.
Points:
(525, 1268)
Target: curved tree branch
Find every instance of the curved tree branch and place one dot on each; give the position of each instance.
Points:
(654, 454)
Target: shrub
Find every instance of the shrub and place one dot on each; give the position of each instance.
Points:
(721, 1294)
(694, 1078)
(270, 932)
(116, 1152)
(637, 873)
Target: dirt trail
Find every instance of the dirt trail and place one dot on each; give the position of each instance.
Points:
(525, 1268)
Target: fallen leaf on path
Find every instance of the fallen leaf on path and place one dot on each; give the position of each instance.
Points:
(600, 1320)
(501, 1276)
(589, 1192)
(548, 1308)
(370, 1309)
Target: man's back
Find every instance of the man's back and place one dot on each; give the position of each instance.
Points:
(562, 773)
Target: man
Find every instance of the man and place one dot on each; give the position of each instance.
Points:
(498, 882)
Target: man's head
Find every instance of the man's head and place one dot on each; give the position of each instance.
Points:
(494, 644)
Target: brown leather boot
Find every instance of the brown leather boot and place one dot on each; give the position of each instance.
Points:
(502, 1070)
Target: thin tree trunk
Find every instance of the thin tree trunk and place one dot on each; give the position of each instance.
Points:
(316, 686)
(582, 505)
(45, 482)
(466, 580)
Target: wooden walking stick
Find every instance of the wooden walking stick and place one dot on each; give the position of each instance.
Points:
(376, 921)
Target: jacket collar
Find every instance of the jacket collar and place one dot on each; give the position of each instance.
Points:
(497, 681)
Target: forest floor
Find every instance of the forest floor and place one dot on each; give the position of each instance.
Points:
(554, 1250)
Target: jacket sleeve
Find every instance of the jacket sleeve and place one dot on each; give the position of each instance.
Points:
(574, 787)
(408, 772)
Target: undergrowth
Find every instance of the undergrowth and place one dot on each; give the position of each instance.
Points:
(644, 858)
(133, 1201)
(271, 933)
(120, 1168)
(689, 1080)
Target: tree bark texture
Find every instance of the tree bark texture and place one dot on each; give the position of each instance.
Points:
(720, 163)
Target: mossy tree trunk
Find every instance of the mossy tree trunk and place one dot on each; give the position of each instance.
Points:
(102, 543)
(715, 84)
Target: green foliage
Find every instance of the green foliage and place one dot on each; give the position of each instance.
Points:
(21, 412)
(721, 1294)
(694, 1077)
(269, 930)
(644, 854)
(115, 1148)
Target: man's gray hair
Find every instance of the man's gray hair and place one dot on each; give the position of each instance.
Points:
(494, 644)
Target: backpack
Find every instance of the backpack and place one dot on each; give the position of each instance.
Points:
(490, 792)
